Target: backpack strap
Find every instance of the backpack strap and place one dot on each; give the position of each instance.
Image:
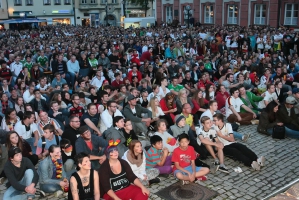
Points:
(43, 143)
(57, 139)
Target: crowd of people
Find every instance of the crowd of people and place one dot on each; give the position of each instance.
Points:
(92, 113)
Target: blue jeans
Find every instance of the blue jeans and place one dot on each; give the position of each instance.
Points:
(289, 132)
(50, 188)
(238, 135)
(72, 78)
(13, 194)
(31, 143)
(189, 169)
(69, 167)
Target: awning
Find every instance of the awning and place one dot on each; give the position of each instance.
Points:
(23, 20)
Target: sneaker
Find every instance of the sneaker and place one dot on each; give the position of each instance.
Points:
(58, 193)
(2, 180)
(255, 166)
(245, 137)
(202, 178)
(261, 161)
(184, 182)
(216, 162)
(40, 193)
(223, 169)
(155, 180)
(150, 133)
(255, 121)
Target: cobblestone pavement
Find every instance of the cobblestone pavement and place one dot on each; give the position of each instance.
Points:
(282, 167)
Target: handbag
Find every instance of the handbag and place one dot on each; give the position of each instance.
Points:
(279, 132)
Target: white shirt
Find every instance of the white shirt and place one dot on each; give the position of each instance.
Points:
(16, 68)
(226, 130)
(161, 93)
(106, 119)
(268, 97)
(160, 112)
(236, 103)
(28, 97)
(165, 138)
(151, 95)
(21, 130)
(205, 134)
(97, 82)
(144, 48)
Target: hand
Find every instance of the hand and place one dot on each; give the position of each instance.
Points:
(191, 177)
(219, 145)
(165, 150)
(102, 159)
(264, 94)
(280, 124)
(35, 143)
(145, 191)
(63, 184)
(254, 116)
(145, 177)
(239, 117)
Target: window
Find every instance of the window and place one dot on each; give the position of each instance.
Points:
(232, 17)
(168, 14)
(103, 1)
(92, 1)
(47, 2)
(114, 1)
(29, 2)
(57, 2)
(260, 14)
(291, 14)
(18, 2)
(209, 15)
(67, 2)
(84, 1)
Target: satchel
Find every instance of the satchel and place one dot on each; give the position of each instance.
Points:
(279, 132)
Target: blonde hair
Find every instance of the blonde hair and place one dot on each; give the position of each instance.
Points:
(153, 106)
(183, 100)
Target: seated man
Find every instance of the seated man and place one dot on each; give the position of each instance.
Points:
(233, 106)
(47, 139)
(38, 103)
(207, 137)
(286, 115)
(93, 145)
(234, 149)
(249, 99)
(45, 120)
(91, 119)
(134, 112)
(58, 80)
(71, 131)
(76, 109)
(269, 96)
(22, 177)
(108, 114)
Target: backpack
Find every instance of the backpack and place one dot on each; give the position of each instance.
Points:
(279, 132)
(44, 142)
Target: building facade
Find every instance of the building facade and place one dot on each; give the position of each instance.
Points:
(226, 12)
(54, 11)
(93, 12)
(3, 10)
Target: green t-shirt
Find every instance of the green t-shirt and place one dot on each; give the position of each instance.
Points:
(28, 65)
(208, 66)
(42, 60)
(177, 88)
(93, 62)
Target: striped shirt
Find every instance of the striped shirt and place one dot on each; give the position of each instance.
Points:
(153, 156)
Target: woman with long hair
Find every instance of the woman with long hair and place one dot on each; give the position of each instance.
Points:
(157, 113)
(168, 105)
(163, 90)
(136, 159)
(117, 176)
(14, 140)
(58, 98)
(200, 105)
(84, 183)
(10, 119)
(19, 107)
(182, 99)
(209, 92)
(66, 97)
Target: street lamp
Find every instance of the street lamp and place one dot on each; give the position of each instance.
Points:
(106, 12)
(145, 6)
(188, 11)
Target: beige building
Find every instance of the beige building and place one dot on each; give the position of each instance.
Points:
(54, 11)
(93, 12)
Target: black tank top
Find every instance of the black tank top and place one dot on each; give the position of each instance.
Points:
(85, 192)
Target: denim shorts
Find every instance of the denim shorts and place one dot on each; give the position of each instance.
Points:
(189, 169)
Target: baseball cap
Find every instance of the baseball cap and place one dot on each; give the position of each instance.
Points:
(131, 97)
(291, 100)
(83, 129)
(13, 151)
(295, 90)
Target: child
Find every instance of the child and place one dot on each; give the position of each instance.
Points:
(67, 155)
(157, 156)
(207, 136)
(184, 166)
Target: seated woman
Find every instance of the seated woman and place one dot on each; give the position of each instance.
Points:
(269, 118)
(130, 134)
(209, 92)
(114, 133)
(14, 140)
(182, 99)
(157, 113)
(157, 156)
(136, 159)
(168, 140)
(221, 96)
(19, 107)
(200, 105)
(52, 177)
(9, 121)
(118, 180)
(168, 105)
(85, 182)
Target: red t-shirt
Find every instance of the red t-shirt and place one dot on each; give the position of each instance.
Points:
(89, 144)
(183, 157)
